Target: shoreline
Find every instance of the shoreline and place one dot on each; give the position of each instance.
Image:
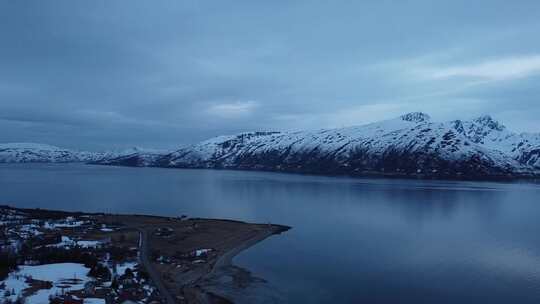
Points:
(226, 260)
(496, 178)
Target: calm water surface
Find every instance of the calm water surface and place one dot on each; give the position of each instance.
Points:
(353, 240)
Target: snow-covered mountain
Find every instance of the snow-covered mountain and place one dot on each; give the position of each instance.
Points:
(135, 157)
(32, 152)
(410, 145)
(42, 153)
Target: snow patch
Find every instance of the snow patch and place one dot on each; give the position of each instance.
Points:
(64, 277)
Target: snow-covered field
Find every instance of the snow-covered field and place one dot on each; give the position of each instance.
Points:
(69, 242)
(121, 268)
(64, 277)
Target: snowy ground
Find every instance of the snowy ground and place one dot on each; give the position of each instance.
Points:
(94, 301)
(121, 268)
(64, 277)
(69, 242)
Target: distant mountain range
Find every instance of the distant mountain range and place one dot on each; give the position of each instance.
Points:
(410, 146)
(42, 153)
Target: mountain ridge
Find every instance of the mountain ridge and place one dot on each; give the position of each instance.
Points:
(410, 146)
(25, 152)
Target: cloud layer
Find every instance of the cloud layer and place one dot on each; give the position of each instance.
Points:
(106, 74)
(492, 70)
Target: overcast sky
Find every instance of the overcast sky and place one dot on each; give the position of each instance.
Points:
(113, 74)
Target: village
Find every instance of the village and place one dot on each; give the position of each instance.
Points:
(48, 257)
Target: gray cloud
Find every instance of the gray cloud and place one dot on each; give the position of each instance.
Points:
(105, 74)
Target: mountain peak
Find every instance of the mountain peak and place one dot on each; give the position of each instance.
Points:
(489, 122)
(416, 117)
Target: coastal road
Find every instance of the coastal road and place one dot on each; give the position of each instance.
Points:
(154, 275)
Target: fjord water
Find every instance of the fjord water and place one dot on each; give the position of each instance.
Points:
(353, 240)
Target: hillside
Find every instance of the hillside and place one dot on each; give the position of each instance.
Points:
(410, 145)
